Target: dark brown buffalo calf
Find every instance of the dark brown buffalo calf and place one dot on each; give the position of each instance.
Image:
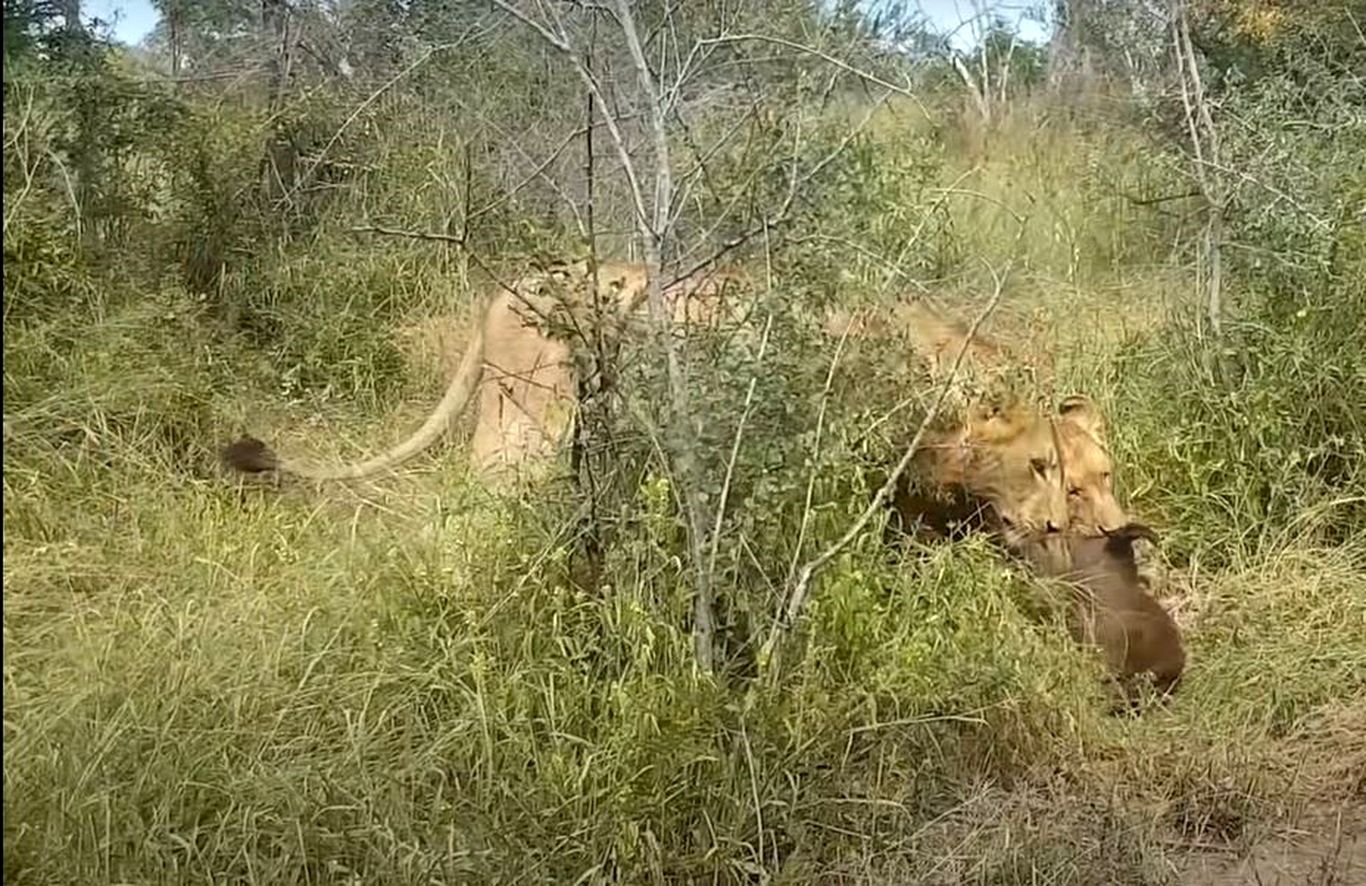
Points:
(1113, 611)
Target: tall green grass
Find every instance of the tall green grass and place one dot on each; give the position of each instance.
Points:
(401, 682)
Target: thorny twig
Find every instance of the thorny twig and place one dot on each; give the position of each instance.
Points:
(801, 589)
(776, 221)
(735, 450)
(825, 57)
(816, 447)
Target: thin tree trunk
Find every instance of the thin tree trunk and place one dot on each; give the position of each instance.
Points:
(594, 372)
(1214, 281)
(1062, 48)
(1204, 137)
(173, 26)
(654, 222)
(71, 18)
(680, 436)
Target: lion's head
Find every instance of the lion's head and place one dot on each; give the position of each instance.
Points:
(1008, 457)
(1091, 504)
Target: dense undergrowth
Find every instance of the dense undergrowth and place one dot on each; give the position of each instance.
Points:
(404, 682)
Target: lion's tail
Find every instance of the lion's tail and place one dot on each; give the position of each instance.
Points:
(249, 455)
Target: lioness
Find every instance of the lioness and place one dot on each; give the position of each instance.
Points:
(1087, 468)
(1114, 612)
(1005, 458)
(934, 339)
(523, 372)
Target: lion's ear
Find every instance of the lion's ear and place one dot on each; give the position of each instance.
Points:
(1082, 412)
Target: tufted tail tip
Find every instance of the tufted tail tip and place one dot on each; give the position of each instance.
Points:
(250, 456)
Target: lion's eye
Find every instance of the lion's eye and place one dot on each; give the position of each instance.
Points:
(1075, 491)
(1039, 465)
(1106, 477)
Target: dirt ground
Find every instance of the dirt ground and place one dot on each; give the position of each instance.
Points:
(1326, 847)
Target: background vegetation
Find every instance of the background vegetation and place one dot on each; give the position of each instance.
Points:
(410, 680)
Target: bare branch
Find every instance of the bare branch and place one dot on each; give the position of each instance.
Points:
(825, 57)
(654, 222)
(411, 235)
(979, 93)
(775, 222)
(591, 82)
(681, 442)
(816, 448)
(307, 176)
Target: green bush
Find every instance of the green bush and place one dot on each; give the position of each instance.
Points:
(1255, 442)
